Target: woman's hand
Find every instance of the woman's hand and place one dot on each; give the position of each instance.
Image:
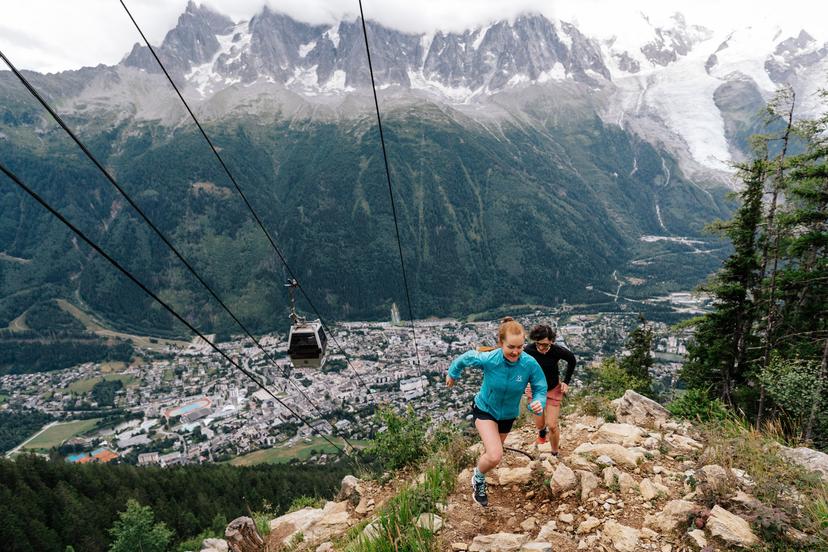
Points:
(564, 388)
(449, 381)
(536, 407)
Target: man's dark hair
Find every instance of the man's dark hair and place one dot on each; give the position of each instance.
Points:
(542, 331)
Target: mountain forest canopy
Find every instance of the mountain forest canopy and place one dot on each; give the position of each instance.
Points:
(552, 198)
(48, 505)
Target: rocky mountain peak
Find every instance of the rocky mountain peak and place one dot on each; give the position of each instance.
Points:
(191, 42)
(793, 55)
(672, 42)
(209, 52)
(793, 45)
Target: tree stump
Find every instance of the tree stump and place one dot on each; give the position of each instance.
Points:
(242, 536)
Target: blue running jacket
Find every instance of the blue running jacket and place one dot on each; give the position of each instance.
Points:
(503, 381)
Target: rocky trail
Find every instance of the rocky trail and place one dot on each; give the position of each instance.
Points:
(639, 483)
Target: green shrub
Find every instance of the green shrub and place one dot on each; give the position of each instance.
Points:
(395, 521)
(262, 518)
(791, 385)
(612, 381)
(403, 440)
(696, 405)
(597, 405)
(305, 502)
(262, 521)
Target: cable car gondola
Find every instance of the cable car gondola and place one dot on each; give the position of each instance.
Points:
(307, 341)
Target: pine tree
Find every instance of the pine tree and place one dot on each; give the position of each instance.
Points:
(640, 345)
(803, 277)
(135, 529)
(717, 355)
(781, 105)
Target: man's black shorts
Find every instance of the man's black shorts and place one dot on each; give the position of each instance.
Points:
(503, 426)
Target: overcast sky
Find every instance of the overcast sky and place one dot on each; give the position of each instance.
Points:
(53, 35)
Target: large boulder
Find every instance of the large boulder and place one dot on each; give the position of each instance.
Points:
(498, 542)
(619, 454)
(730, 528)
(315, 524)
(637, 409)
(623, 538)
(810, 459)
(285, 527)
(675, 515)
(620, 434)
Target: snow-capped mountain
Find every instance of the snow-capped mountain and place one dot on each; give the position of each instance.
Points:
(210, 53)
(659, 80)
(680, 86)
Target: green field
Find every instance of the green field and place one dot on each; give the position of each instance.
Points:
(280, 455)
(85, 385)
(58, 433)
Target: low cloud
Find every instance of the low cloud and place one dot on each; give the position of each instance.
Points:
(45, 35)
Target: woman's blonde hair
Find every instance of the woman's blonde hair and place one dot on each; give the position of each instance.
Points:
(508, 326)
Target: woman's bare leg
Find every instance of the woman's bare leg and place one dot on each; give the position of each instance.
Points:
(492, 443)
(552, 413)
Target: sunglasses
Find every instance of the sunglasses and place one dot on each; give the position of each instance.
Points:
(543, 346)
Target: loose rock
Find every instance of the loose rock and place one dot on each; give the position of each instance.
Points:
(529, 524)
(623, 538)
(589, 482)
(512, 476)
(809, 459)
(732, 529)
(547, 531)
(214, 545)
(639, 410)
(620, 434)
(563, 479)
(350, 489)
(618, 453)
(675, 515)
(588, 525)
(536, 547)
(697, 537)
(430, 522)
(498, 542)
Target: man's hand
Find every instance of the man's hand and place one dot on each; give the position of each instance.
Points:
(564, 388)
(450, 381)
(536, 407)
(528, 392)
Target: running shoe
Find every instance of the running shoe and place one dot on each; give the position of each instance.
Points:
(479, 492)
